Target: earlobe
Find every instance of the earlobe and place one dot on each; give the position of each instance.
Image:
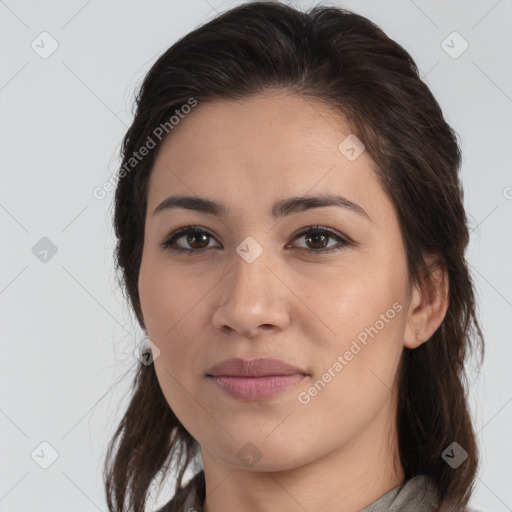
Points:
(428, 306)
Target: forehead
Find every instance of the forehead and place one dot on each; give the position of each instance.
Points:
(266, 126)
(254, 151)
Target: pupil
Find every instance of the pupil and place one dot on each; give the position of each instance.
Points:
(316, 237)
(191, 237)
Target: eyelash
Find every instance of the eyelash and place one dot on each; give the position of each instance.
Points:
(175, 235)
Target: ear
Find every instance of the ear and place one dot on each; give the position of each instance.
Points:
(429, 303)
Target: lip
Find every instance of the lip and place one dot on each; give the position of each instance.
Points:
(254, 379)
(262, 367)
(256, 388)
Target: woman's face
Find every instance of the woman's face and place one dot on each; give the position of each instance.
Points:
(247, 287)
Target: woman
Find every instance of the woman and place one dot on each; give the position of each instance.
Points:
(291, 236)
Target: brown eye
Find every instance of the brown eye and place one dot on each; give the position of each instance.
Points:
(196, 237)
(195, 240)
(317, 239)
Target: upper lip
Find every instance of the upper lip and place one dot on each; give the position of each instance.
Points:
(240, 367)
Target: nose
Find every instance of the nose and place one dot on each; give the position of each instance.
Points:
(253, 299)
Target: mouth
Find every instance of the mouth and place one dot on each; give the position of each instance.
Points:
(254, 379)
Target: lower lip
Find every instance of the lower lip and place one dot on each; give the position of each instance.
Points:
(256, 388)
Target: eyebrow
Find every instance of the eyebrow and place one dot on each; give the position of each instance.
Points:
(280, 209)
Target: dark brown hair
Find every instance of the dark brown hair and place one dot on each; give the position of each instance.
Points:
(335, 56)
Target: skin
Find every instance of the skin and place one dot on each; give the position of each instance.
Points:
(338, 452)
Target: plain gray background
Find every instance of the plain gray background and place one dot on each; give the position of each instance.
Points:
(67, 334)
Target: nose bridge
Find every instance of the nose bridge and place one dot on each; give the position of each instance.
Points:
(250, 277)
(252, 295)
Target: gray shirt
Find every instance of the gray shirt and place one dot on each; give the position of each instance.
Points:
(417, 494)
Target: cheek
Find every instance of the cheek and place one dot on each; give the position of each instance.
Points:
(348, 302)
(170, 312)
(357, 367)
(364, 313)
(165, 298)
(173, 313)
